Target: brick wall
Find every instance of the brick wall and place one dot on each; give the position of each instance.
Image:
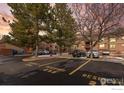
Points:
(119, 46)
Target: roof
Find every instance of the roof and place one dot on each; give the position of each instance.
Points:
(10, 46)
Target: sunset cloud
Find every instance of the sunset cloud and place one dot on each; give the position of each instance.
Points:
(5, 12)
(4, 26)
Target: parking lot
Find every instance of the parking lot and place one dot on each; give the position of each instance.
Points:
(58, 71)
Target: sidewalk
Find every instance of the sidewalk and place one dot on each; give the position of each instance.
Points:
(111, 59)
(33, 58)
(114, 59)
(64, 55)
(40, 57)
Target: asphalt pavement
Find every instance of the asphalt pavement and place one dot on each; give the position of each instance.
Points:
(55, 71)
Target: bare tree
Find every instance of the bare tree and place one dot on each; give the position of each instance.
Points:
(119, 32)
(96, 20)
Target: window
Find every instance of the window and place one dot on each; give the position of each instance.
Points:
(112, 39)
(102, 45)
(112, 45)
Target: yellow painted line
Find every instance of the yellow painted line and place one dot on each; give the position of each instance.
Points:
(28, 65)
(79, 67)
(45, 69)
(95, 59)
(54, 68)
(92, 82)
(54, 72)
(53, 63)
(49, 70)
(33, 63)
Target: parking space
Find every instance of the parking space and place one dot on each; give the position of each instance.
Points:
(69, 67)
(74, 66)
(52, 70)
(62, 71)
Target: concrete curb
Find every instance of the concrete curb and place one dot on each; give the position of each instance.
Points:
(23, 55)
(35, 59)
(67, 57)
(40, 58)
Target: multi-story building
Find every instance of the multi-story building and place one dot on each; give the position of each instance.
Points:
(112, 43)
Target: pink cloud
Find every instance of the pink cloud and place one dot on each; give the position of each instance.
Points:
(5, 12)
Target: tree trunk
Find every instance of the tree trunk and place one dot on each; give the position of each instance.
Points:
(51, 50)
(36, 51)
(108, 43)
(60, 50)
(91, 49)
(36, 46)
(69, 50)
(37, 37)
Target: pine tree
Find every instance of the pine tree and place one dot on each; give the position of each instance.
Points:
(29, 21)
(64, 26)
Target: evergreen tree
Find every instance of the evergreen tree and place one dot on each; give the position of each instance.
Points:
(29, 21)
(63, 32)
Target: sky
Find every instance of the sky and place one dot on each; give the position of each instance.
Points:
(5, 12)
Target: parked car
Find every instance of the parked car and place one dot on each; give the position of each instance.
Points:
(46, 52)
(105, 52)
(95, 54)
(78, 53)
(42, 52)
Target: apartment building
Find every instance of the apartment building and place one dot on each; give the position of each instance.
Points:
(112, 43)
